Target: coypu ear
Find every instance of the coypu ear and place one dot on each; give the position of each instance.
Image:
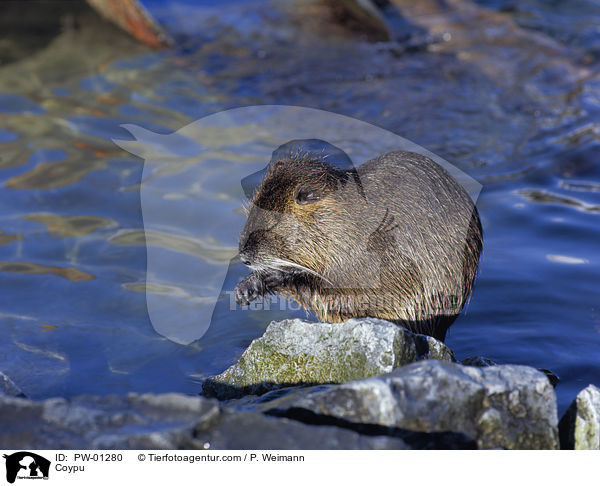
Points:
(313, 148)
(307, 195)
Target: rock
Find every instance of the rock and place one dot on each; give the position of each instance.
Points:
(552, 378)
(102, 422)
(509, 406)
(425, 405)
(580, 425)
(481, 362)
(297, 352)
(8, 387)
(253, 430)
(166, 421)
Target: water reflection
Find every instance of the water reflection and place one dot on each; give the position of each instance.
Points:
(540, 196)
(27, 268)
(208, 249)
(71, 226)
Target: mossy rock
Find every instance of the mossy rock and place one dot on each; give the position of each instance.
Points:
(580, 426)
(297, 352)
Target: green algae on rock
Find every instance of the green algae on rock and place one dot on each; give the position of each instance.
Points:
(297, 352)
(506, 406)
(580, 426)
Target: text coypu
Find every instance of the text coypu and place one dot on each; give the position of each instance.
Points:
(396, 237)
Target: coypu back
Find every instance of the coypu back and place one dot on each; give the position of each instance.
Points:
(396, 238)
(436, 244)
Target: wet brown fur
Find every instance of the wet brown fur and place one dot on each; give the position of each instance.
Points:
(396, 238)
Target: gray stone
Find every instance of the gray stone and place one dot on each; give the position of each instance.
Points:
(101, 422)
(482, 362)
(580, 425)
(253, 430)
(297, 352)
(168, 421)
(509, 406)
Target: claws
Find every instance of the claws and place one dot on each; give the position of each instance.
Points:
(248, 289)
(256, 285)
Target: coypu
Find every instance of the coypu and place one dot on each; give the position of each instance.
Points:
(395, 238)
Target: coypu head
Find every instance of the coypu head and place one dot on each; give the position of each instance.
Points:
(293, 207)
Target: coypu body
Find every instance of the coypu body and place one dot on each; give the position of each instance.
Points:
(395, 238)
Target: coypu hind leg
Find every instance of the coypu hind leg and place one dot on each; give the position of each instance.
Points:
(435, 328)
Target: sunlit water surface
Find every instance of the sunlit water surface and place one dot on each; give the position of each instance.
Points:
(521, 117)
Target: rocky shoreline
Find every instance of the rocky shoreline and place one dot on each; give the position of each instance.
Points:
(361, 384)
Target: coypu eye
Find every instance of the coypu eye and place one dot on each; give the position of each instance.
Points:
(306, 195)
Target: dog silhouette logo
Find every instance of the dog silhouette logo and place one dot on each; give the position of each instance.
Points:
(193, 210)
(26, 465)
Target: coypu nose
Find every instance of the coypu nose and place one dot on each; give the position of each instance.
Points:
(244, 259)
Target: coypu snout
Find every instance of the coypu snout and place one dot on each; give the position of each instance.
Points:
(396, 238)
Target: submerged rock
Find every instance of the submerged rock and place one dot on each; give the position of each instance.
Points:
(8, 387)
(580, 425)
(297, 352)
(509, 406)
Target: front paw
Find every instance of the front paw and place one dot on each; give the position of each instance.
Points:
(248, 289)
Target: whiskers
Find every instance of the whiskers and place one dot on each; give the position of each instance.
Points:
(246, 208)
(282, 265)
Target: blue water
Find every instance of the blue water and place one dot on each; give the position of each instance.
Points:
(521, 117)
